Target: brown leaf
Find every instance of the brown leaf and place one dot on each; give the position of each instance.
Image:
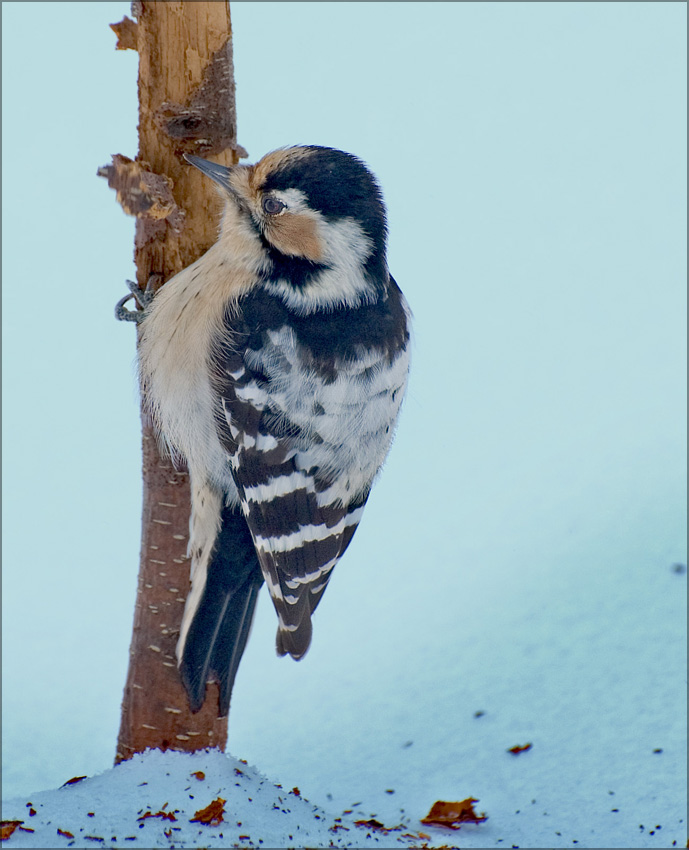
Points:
(212, 814)
(519, 749)
(372, 824)
(65, 833)
(453, 815)
(295, 791)
(7, 828)
(160, 814)
(199, 774)
(72, 781)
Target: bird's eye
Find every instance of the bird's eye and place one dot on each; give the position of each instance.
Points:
(272, 206)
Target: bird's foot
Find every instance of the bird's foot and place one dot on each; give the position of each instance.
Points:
(143, 298)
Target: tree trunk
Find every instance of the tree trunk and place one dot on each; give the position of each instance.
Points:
(186, 105)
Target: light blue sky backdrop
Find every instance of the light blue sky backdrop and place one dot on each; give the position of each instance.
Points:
(532, 156)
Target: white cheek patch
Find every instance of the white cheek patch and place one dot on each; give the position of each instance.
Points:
(343, 283)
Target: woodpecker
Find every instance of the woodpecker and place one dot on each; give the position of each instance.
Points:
(275, 366)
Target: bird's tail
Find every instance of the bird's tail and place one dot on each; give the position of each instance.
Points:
(219, 612)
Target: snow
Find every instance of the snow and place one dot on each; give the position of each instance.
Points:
(151, 801)
(584, 665)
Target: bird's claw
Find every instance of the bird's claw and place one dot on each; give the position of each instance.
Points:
(143, 299)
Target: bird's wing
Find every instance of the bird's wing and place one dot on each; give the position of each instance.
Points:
(301, 517)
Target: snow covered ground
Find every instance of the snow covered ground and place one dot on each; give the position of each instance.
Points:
(586, 667)
(205, 799)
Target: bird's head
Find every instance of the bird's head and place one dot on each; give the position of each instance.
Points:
(311, 209)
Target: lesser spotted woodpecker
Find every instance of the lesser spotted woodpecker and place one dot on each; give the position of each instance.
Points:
(275, 365)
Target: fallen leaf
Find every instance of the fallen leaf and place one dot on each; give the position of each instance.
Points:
(212, 814)
(519, 749)
(295, 791)
(199, 774)
(7, 828)
(65, 833)
(160, 814)
(72, 781)
(26, 829)
(453, 815)
(372, 824)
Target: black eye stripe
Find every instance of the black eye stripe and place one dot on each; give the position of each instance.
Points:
(272, 206)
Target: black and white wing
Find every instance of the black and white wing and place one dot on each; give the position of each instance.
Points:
(301, 516)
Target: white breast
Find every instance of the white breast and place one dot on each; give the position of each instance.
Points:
(174, 362)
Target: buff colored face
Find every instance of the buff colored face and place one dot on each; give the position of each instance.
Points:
(283, 216)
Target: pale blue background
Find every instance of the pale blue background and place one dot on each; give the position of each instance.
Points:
(516, 554)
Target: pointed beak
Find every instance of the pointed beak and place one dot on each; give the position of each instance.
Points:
(220, 174)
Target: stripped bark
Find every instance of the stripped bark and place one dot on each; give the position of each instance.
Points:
(186, 105)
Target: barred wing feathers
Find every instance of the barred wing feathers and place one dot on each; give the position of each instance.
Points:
(301, 517)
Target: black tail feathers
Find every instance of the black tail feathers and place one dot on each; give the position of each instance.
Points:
(220, 628)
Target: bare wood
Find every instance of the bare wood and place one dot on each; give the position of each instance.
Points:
(186, 104)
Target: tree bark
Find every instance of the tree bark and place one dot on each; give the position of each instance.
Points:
(186, 105)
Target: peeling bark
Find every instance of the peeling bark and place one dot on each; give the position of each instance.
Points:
(207, 123)
(145, 195)
(126, 32)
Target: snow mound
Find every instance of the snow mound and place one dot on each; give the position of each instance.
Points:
(152, 800)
